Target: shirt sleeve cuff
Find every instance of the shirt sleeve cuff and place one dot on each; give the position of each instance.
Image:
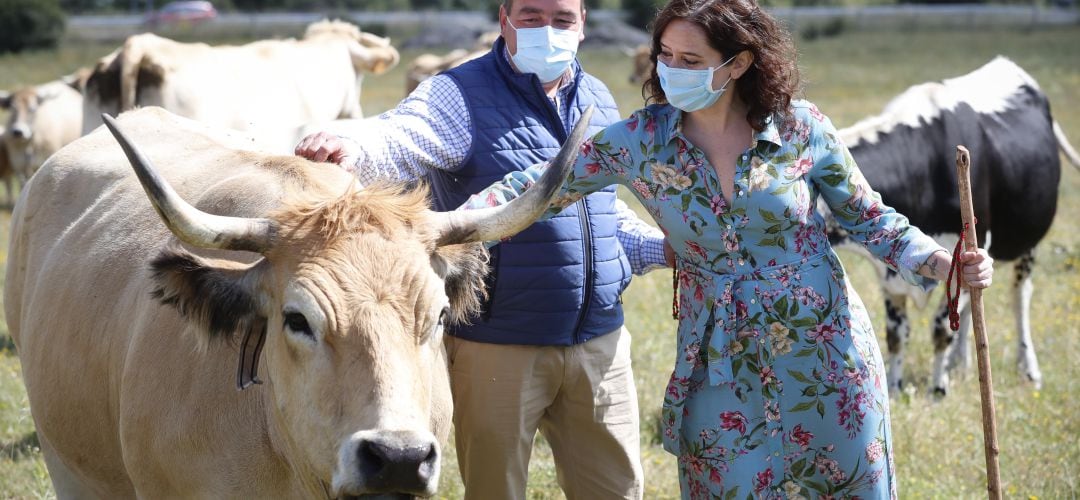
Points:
(914, 256)
(652, 253)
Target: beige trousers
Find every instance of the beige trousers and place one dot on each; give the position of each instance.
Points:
(582, 398)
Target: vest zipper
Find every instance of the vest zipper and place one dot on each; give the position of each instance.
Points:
(586, 245)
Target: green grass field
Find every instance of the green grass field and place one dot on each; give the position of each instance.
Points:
(939, 450)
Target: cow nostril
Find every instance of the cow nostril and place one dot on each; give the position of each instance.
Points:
(372, 458)
(427, 467)
(394, 466)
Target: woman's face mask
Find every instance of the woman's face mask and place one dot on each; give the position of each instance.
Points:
(690, 89)
(545, 51)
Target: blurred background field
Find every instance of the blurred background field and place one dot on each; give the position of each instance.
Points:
(849, 73)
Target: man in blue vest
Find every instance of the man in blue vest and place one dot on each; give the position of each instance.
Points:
(549, 351)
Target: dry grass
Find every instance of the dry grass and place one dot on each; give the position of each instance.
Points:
(938, 443)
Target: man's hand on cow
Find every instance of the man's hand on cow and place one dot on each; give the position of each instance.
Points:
(978, 268)
(327, 147)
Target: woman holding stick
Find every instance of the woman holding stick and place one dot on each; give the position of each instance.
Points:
(778, 387)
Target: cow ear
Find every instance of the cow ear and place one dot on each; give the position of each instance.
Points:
(5, 99)
(219, 296)
(464, 268)
(374, 60)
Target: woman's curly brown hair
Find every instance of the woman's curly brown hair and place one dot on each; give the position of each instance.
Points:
(733, 26)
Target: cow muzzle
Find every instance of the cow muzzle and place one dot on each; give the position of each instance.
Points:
(388, 464)
(21, 132)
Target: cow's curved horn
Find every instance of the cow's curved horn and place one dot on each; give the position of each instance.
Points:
(491, 224)
(188, 223)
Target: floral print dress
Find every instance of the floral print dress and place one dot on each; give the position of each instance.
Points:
(778, 389)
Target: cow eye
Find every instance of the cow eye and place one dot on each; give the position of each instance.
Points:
(298, 323)
(442, 320)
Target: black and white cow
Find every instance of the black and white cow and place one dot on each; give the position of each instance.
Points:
(908, 154)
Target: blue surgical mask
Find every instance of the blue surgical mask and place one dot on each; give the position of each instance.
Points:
(690, 89)
(545, 51)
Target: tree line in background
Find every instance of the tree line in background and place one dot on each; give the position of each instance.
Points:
(83, 6)
(27, 24)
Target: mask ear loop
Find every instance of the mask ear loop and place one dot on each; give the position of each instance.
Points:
(712, 71)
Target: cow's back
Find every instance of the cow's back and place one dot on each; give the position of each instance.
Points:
(269, 88)
(999, 114)
(79, 307)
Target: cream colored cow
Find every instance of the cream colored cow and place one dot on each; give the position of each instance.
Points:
(427, 65)
(42, 118)
(133, 335)
(269, 88)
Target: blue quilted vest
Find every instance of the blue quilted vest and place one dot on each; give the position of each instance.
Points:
(559, 281)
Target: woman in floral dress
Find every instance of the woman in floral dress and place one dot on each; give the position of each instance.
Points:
(778, 389)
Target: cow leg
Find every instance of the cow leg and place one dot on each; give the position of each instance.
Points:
(65, 482)
(1026, 361)
(897, 331)
(945, 341)
(959, 352)
(10, 192)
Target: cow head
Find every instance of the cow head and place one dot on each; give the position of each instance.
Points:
(370, 53)
(22, 105)
(350, 298)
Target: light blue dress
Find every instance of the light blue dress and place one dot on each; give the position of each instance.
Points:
(778, 389)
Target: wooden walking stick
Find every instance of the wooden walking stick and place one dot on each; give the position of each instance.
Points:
(982, 347)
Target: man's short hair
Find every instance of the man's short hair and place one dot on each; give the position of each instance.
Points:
(508, 5)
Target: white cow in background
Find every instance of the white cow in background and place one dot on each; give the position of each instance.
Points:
(42, 119)
(269, 88)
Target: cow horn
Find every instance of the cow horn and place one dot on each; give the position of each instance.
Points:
(188, 223)
(496, 223)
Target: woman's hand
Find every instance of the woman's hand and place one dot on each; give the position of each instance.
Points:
(977, 268)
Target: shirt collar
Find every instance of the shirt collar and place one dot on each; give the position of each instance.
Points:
(770, 133)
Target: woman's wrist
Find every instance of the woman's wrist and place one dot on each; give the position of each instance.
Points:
(937, 265)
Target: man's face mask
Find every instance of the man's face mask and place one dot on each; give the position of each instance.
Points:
(545, 51)
(690, 89)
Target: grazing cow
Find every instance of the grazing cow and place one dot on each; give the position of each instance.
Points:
(643, 64)
(129, 331)
(427, 65)
(42, 119)
(908, 154)
(269, 88)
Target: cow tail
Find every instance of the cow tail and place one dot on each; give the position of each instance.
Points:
(1066, 148)
(130, 61)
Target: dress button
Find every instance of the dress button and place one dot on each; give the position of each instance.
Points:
(753, 301)
(776, 453)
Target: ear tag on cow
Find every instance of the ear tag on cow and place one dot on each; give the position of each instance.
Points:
(247, 371)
